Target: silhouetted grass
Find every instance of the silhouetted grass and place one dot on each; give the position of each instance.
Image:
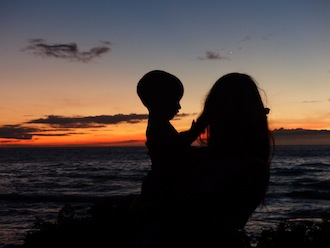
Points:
(302, 234)
(111, 223)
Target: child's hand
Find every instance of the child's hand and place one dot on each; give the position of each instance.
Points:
(198, 127)
(201, 122)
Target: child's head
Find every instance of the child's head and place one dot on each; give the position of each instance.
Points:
(160, 91)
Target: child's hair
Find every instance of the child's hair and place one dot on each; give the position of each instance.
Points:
(157, 87)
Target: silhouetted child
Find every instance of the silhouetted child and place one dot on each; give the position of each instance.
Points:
(169, 182)
(169, 150)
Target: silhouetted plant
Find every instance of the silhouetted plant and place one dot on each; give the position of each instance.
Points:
(110, 223)
(291, 234)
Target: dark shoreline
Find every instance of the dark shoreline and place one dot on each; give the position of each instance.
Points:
(111, 223)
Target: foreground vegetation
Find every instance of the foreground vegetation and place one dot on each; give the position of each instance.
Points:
(110, 223)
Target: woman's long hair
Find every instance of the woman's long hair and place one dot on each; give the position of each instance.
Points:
(238, 126)
(237, 118)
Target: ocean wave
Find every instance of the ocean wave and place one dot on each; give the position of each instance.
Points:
(312, 184)
(309, 194)
(36, 179)
(59, 198)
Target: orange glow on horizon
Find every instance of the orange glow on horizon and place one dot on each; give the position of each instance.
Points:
(292, 124)
(128, 134)
(138, 140)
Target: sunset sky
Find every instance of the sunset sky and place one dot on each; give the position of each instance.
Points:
(69, 69)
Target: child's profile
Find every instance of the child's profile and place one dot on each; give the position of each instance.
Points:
(161, 92)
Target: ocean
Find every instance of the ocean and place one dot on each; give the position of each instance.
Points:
(37, 182)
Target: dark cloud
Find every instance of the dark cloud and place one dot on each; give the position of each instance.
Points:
(55, 134)
(67, 51)
(310, 101)
(245, 39)
(62, 126)
(20, 132)
(183, 115)
(300, 131)
(210, 55)
(56, 121)
(88, 121)
(301, 136)
(16, 132)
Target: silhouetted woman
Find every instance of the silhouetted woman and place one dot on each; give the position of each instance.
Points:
(234, 169)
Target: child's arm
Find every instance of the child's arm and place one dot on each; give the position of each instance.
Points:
(187, 137)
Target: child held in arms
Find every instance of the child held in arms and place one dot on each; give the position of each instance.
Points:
(171, 152)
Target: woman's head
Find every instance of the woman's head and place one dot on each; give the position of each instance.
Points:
(236, 116)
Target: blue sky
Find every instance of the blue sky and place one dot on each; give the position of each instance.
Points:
(284, 45)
